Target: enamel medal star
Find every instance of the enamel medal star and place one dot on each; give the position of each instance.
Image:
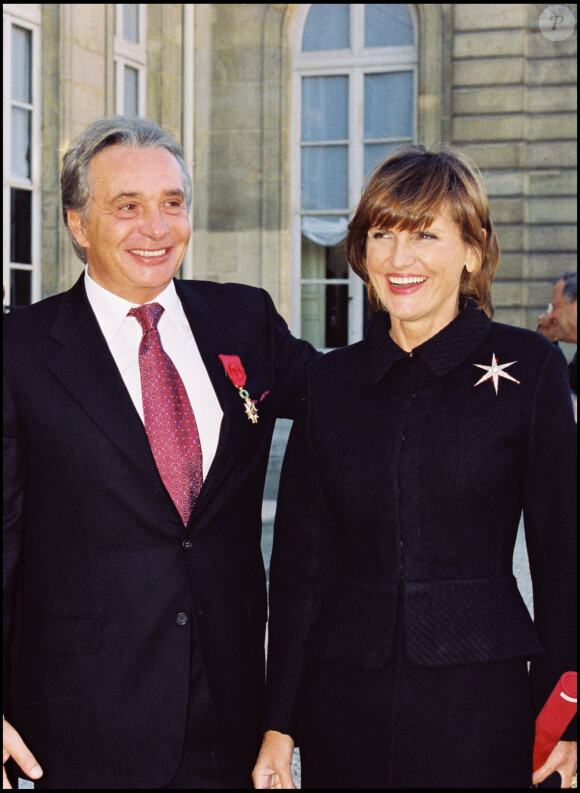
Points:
(495, 371)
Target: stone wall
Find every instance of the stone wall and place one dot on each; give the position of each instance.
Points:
(514, 113)
(240, 220)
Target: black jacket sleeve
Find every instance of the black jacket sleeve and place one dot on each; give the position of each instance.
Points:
(549, 501)
(303, 565)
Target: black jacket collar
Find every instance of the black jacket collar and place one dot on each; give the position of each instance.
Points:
(442, 353)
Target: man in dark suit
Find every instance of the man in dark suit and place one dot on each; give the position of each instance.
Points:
(560, 321)
(135, 607)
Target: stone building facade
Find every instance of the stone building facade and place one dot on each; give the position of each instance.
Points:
(243, 87)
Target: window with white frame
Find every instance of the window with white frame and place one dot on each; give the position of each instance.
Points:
(354, 101)
(131, 59)
(21, 130)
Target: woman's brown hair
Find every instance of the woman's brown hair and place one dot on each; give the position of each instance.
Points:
(407, 191)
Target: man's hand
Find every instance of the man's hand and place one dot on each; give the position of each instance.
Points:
(15, 748)
(272, 768)
(563, 759)
(548, 325)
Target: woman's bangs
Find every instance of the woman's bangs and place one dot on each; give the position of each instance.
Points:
(410, 212)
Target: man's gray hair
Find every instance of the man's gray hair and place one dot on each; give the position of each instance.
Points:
(570, 289)
(109, 131)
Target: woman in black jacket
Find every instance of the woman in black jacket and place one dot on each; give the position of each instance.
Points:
(398, 639)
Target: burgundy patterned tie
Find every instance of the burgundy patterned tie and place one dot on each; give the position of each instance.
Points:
(169, 419)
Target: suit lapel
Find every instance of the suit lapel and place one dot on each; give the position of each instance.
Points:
(209, 327)
(86, 368)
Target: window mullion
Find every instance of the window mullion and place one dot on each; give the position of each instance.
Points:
(7, 149)
(357, 28)
(119, 85)
(356, 137)
(355, 303)
(35, 165)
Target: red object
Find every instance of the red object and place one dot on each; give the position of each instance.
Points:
(169, 420)
(554, 717)
(234, 370)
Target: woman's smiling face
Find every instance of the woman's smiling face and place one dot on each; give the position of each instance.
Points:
(417, 274)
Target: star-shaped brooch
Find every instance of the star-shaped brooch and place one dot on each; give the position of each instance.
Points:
(495, 371)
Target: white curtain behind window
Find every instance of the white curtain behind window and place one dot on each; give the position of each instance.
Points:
(324, 231)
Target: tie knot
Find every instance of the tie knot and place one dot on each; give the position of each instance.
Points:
(147, 315)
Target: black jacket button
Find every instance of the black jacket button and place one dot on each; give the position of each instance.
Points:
(188, 545)
(182, 618)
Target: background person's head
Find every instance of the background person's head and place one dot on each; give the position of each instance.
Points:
(408, 191)
(565, 307)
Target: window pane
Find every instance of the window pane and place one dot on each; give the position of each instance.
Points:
(20, 288)
(312, 310)
(327, 27)
(375, 153)
(324, 261)
(20, 226)
(336, 315)
(324, 108)
(20, 143)
(325, 314)
(388, 25)
(313, 264)
(336, 261)
(131, 22)
(388, 105)
(131, 102)
(21, 65)
(325, 177)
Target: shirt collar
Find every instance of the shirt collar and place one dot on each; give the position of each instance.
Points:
(442, 353)
(111, 310)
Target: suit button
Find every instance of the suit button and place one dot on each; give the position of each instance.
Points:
(181, 618)
(188, 545)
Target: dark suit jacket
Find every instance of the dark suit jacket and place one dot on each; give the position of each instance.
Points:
(573, 370)
(401, 493)
(97, 563)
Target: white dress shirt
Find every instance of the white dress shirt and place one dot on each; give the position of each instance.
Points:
(123, 335)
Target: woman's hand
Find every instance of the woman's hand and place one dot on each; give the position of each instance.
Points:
(563, 759)
(272, 768)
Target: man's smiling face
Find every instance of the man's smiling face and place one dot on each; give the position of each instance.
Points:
(136, 230)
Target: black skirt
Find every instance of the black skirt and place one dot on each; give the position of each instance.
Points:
(406, 726)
